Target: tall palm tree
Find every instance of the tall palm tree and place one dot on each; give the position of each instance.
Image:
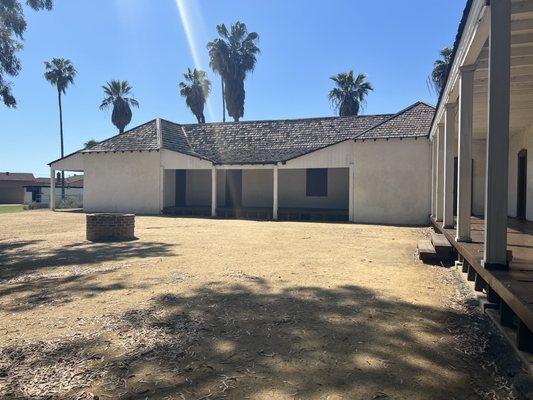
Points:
(349, 94)
(117, 94)
(195, 89)
(232, 56)
(440, 69)
(60, 73)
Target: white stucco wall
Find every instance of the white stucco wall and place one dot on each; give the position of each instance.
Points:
(122, 182)
(72, 162)
(479, 149)
(169, 192)
(339, 155)
(198, 187)
(292, 190)
(517, 142)
(257, 188)
(393, 181)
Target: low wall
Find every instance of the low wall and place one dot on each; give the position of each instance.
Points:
(110, 227)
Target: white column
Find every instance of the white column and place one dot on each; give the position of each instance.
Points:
(213, 191)
(449, 137)
(351, 195)
(464, 165)
(52, 189)
(439, 173)
(496, 176)
(275, 197)
(161, 189)
(433, 177)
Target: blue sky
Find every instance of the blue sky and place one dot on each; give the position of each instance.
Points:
(147, 42)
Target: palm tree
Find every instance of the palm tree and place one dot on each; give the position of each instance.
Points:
(195, 89)
(232, 56)
(440, 69)
(61, 73)
(90, 143)
(116, 93)
(349, 94)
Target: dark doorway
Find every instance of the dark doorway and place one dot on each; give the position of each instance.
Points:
(521, 192)
(234, 188)
(181, 188)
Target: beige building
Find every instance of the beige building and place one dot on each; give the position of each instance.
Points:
(367, 169)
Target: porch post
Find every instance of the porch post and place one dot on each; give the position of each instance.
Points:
(275, 172)
(464, 166)
(351, 177)
(52, 189)
(496, 176)
(433, 177)
(449, 133)
(161, 189)
(440, 174)
(213, 191)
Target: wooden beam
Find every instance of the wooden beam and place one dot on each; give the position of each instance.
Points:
(516, 62)
(524, 50)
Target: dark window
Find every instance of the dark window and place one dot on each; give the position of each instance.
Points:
(317, 182)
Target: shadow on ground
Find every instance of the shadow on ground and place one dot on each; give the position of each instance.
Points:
(24, 257)
(249, 340)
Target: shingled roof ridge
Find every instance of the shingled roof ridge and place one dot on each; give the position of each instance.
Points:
(401, 112)
(110, 138)
(181, 126)
(290, 120)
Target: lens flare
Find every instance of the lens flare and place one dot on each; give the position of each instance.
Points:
(194, 28)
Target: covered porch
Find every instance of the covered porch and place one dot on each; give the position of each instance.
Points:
(508, 291)
(260, 192)
(481, 135)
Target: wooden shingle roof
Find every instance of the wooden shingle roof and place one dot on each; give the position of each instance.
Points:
(266, 142)
(414, 121)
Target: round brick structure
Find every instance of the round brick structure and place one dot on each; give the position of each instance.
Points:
(108, 227)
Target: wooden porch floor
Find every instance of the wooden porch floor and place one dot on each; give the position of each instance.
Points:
(512, 289)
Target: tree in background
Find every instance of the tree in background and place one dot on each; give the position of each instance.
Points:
(60, 73)
(12, 28)
(89, 143)
(349, 94)
(232, 56)
(117, 94)
(195, 89)
(440, 69)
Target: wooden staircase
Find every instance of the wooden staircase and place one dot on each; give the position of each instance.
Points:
(436, 249)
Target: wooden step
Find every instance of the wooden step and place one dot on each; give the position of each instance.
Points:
(439, 241)
(442, 246)
(426, 251)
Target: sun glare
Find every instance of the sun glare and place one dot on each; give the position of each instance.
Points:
(194, 28)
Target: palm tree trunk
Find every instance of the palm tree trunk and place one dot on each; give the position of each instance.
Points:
(62, 147)
(223, 101)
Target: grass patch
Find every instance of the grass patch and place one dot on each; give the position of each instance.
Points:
(11, 209)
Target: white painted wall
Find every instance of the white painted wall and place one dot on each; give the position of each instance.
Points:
(169, 192)
(122, 182)
(517, 142)
(393, 181)
(479, 151)
(257, 188)
(198, 187)
(292, 190)
(172, 160)
(73, 162)
(339, 155)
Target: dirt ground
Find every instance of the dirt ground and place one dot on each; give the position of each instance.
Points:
(209, 309)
